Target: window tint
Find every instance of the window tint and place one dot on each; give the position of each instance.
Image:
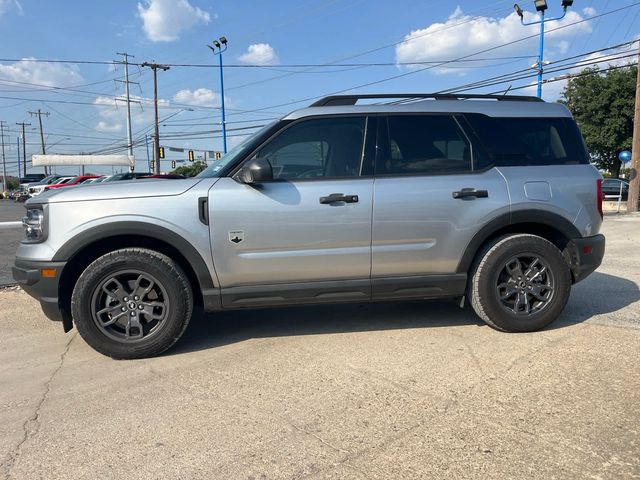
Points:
(424, 144)
(529, 141)
(327, 147)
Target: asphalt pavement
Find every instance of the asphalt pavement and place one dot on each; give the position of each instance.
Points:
(11, 233)
(385, 391)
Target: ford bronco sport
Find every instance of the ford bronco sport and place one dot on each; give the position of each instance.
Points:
(353, 199)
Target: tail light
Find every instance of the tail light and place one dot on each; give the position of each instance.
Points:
(599, 196)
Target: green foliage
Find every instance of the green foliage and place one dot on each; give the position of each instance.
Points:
(12, 184)
(190, 170)
(603, 105)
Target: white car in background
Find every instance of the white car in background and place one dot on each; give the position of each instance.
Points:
(38, 189)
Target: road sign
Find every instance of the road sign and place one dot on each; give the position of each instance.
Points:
(625, 156)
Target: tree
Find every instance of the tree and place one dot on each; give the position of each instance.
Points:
(190, 170)
(603, 105)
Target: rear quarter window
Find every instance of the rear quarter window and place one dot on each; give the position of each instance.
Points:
(527, 141)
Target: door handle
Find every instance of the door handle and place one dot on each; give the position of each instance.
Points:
(470, 193)
(339, 197)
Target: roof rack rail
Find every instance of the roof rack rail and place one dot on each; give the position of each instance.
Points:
(342, 100)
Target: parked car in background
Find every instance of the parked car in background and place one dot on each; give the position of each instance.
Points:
(35, 187)
(32, 177)
(38, 189)
(74, 181)
(125, 176)
(611, 187)
(166, 176)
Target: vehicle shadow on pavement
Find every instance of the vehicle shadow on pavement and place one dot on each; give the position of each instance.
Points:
(598, 294)
(208, 330)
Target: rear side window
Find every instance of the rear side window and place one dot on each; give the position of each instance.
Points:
(528, 141)
(423, 144)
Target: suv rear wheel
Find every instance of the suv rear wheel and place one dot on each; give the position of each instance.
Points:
(132, 303)
(521, 283)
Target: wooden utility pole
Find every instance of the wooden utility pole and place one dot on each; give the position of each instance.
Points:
(39, 114)
(634, 185)
(4, 163)
(24, 148)
(156, 136)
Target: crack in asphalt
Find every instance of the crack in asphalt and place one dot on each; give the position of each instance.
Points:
(31, 425)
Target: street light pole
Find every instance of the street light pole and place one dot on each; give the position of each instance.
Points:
(541, 6)
(217, 48)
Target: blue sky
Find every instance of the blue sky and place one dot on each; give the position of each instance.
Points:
(267, 40)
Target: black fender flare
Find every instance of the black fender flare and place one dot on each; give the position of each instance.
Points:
(540, 217)
(122, 228)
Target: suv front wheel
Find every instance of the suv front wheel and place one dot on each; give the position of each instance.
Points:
(521, 283)
(132, 303)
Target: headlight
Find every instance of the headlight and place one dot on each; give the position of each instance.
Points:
(34, 225)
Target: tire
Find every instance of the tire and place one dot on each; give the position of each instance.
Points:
(132, 303)
(511, 291)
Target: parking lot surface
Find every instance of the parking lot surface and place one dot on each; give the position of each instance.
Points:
(10, 236)
(407, 390)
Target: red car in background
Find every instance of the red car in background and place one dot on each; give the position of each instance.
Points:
(79, 179)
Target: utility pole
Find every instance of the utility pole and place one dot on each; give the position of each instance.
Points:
(217, 48)
(634, 177)
(24, 147)
(4, 164)
(156, 149)
(128, 100)
(39, 114)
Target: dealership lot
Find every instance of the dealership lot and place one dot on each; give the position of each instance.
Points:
(408, 390)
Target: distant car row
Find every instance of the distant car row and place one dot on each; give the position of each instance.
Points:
(53, 182)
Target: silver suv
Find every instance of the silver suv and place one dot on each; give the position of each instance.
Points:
(353, 199)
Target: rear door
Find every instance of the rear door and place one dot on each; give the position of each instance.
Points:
(428, 204)
(306, 236)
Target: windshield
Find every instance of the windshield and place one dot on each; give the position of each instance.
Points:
(214, 169)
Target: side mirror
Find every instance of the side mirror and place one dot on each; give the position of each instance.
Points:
(256, 170)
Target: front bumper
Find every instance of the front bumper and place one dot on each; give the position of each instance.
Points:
(585, 255)
(28, 274)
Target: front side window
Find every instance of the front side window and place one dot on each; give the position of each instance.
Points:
(424, 144)
(324, 147)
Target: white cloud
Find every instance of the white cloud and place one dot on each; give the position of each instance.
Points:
(113, 114)
(8, 5)
(259, 54)
(463, 35)
(163, 20)
(202, 97)
(589, 11)
(108, 127)
(43, 73)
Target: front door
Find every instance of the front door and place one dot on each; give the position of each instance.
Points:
(306, 236)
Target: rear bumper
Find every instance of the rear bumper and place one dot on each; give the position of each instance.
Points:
(586, 255)
(44, 289)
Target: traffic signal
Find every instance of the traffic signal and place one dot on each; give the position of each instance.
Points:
(218, 155)
(191, 157)
(173, 164)
(153, 165)
(161, 152)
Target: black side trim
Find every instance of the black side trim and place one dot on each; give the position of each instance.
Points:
(423, 286)
(115, 229)
(541, 217)
(297, 293)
